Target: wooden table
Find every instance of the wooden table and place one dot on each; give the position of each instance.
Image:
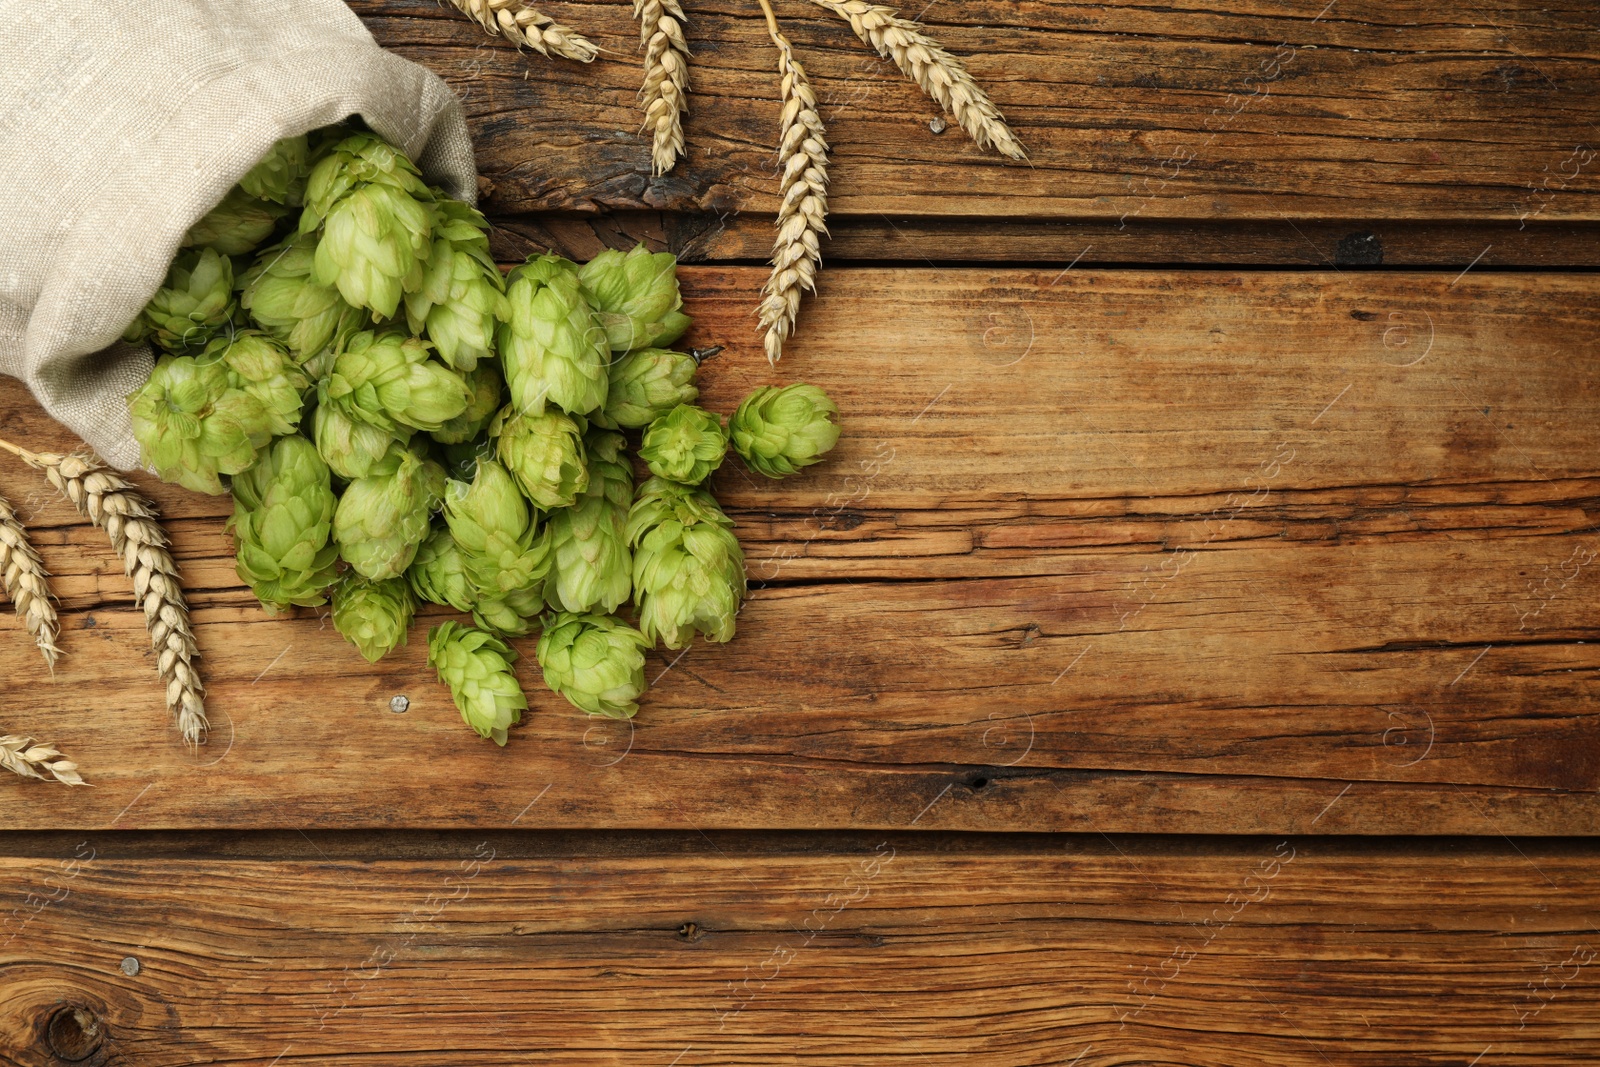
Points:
(1189, 655)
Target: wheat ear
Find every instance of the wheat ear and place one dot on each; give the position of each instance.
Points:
(111, 501)
(665, 95)
(22, 755)
(525, 26)
(942, 76)
(803, 192)
(25, 582)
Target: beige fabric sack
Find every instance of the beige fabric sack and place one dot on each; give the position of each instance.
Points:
(120, 130)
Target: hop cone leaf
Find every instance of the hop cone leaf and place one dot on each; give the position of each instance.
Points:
(544, 453)
(354, 161)
(193, 424)
(511, 615)
(282, 521)
(265, 370)
(636, 297)
(286, 301)
(777, 430)
(462, 295)
(377, 226)
(387, 380)
(688, 570)
(552, 346)
(373, 616)
(684, 445)
(236, 226)
(383, 518)
(281, 175)
(595, 661)
(490, 520)
(351, 448)
(486, 388)
(591, 567)
(438, 574)
(196, 300)
(476, 665)
(645, 385)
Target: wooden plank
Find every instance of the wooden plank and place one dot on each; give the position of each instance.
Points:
(1093, 952)
(1116, 551)
(1132, 112)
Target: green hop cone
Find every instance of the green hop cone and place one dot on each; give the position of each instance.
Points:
(486, 388)
(383, 518)
(193, 424)
(265, 370)
(350, 447)
(595, 661)
(236, 226)
(591, 567)
(552, 346)
(285, 300)
(196, 301)
(779, 429)
(688, 569)
(281, 175)
(490, 520)
(511, 615)
(373, 616)
(636, 297)
(438, 574)
(461, 298)
(387, 380)
(348, 164)
(684, 445)
(645, 385)
(476, 665)
(544, 453)
(282, 521)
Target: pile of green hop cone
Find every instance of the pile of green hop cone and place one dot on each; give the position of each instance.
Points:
(398, 422)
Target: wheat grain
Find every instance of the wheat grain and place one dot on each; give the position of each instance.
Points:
(803, 198)
(113, 503)
(525, 26)
(942, 76)
(22, 755)
(25, 581)
(665, 95)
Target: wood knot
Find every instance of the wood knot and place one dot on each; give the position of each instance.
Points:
(690, 932)
(74, 1033)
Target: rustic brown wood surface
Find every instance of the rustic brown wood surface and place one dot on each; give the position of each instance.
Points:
(1121, 551)
(870, 950)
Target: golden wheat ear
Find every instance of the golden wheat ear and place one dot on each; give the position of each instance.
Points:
(25, 756)
(941, 75)
(803, 198)
(113, 503)
(524, 26)
(26, 583)
(665, 94)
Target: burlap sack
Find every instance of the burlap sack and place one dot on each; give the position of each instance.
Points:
(124, 123)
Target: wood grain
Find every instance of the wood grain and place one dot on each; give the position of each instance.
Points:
(1120, 551)
(1132, 113)
(1093, 952)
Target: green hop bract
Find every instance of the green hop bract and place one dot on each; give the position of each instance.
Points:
(552, 346)
(236, 226)
(461, 298)
(590, 565)
(438, 574)
(351, 448)
(387, 380)
(684, 445)
(195, 301)
(373, 616)
(645, 385)
(476, 665)
(779, 429)
(285, 300)
(688, 569)
(485, 388)
(282, 521)
(193, 423)
(545, 454)
(636, 297)
(264, 369)
(505, 552)
(382, 518)
(281, 175)
(595, 661)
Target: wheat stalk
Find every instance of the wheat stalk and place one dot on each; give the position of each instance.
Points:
(665, 95)
(24, 577)
(111, 501)
(942, 76)
(525, 26)
(21, 755)
(803, 192)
